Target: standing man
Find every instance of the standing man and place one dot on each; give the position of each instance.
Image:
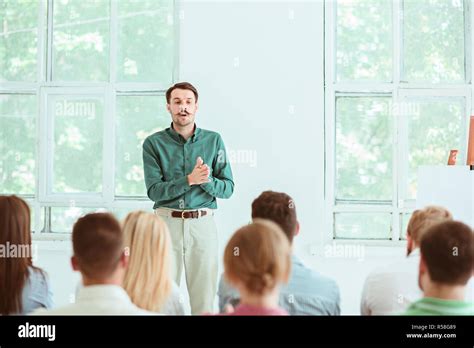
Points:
(186, 169)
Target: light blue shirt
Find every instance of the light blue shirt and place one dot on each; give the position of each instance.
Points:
(307, 292)
(36, 292)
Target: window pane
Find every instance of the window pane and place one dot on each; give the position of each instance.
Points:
(145, 42)
(81, 40)
(34, 212)
(404, 219)
(364, 40)
(17, 143)
(78, 134)
(122, 212)
(18, 40)
(42, 212)
(362, 225)
(433, 40)
(363, 148)
(137, 118)
(64, 218)
(435, 126)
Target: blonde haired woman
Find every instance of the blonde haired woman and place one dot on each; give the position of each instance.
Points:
(257, 261)
(148, 277)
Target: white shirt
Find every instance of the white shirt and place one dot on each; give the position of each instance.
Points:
(98, 300)
(174, 304)
(389, 290)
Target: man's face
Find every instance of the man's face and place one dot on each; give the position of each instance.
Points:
(182, 107)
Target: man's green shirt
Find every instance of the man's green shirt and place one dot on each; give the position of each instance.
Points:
(435, 306)
(167, 160)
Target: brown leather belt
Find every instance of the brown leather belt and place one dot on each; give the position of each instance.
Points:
(194, 214)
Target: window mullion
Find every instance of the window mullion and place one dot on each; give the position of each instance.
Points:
(467, 41)
(397, 16)
(47, 220)
(470, 61)
(108, 174)
(41, 56)
(49, 43)
(113, 42)
(330, 112)
(177, 15)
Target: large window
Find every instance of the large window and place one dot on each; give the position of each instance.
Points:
(397, 96)
(82, 85)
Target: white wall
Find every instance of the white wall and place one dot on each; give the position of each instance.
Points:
(260, 78)
(259, 69)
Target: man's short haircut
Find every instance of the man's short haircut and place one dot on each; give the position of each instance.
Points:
(181, 85)
(448, 251)
(277, 207)
(97, 241)
(423, 219)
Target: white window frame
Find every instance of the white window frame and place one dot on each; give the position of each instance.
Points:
(397, 90)
(46, 173)
(403, 94)
(44, 86)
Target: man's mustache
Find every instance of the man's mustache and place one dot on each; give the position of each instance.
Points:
(184, 112)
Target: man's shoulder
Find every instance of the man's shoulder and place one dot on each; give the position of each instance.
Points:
(308, 272)
(63, 310)
(209, 133)
(400, 268)
(310, 281)
(75, 309)
(161, 134)
(391, 280)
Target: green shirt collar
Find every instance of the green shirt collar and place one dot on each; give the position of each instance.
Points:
(176, 136)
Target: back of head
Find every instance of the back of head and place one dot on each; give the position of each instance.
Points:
(423, 219)
(448, 252)
(97, 242)
(15, 232)
(147, 278)
(258, 256)
(277, 207)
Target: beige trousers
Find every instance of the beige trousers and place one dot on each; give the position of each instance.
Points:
(194, 246)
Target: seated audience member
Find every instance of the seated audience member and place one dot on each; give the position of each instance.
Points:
(307, 292)
(148, 276)
(99, 256)
(390, 289)
(23, 287)
(446, 265)
(257, 260)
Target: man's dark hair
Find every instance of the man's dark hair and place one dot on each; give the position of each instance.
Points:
(277, 207)
(97, 242)
(448, 251)
(181, 85)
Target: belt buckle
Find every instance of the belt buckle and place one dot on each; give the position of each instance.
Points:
(182, 214)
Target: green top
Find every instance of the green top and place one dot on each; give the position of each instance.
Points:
(435, 306)
(167, 160)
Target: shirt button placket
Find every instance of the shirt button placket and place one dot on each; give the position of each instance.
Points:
(184, 172)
